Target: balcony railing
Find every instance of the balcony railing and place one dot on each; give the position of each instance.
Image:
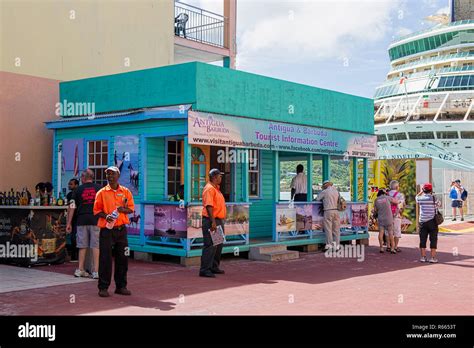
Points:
(199, 25)
(436, 27)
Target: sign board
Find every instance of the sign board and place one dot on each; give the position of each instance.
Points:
(229, 131)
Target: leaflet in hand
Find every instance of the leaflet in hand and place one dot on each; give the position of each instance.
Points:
(217, 235)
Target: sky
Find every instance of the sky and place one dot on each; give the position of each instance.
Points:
(334, 44)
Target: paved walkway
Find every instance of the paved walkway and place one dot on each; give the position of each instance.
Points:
(382, 284)
(458, 226)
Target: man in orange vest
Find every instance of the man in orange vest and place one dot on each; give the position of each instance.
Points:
(213, 215)
(111, 200)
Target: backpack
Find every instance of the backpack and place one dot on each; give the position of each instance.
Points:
(464, 195)
(393, 206)
(453, 193)
(341, 203)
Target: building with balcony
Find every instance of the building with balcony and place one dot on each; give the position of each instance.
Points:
(45, 42)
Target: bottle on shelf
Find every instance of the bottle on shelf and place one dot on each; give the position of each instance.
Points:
(45, 198)
(28, 194)
(24, 197)
(52, 199)
(37, 197)
(60, 201)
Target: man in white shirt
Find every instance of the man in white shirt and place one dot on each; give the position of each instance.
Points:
(332, 224)
(299, 186)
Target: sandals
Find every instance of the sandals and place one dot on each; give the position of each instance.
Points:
(398, 250)
(393, 251)
(381, 251)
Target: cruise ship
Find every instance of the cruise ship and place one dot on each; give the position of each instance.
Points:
(425, 108)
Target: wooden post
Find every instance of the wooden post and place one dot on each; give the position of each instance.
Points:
(365, 197)
(187, 170)
(309, 177)
(354, 185)
(326, 167)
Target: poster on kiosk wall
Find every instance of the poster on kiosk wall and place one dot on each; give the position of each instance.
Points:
(126, 159)
(72, 162)
(236, 221)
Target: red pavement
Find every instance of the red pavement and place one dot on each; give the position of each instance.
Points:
(383, 284)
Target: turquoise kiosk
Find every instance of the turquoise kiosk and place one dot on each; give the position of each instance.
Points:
(167, 127)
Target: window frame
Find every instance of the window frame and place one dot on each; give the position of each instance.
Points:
(259, 176)
(94, 167)
(176, 167)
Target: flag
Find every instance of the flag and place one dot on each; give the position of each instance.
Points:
(76, 160)
(402, 80)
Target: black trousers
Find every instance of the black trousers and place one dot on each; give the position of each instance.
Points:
(211, 255)
(113, 243)
(301, 197)
(429, 228)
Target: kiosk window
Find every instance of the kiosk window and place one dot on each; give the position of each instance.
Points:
(97, 154)
(174, 166)
(198, 173)
(254, 173)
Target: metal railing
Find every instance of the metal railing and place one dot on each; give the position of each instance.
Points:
(436, 27)
(200, 25)
(425, 61)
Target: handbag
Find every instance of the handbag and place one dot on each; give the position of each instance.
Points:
(341, 203)
(439, 219)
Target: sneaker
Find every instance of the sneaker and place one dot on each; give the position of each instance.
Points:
(78, 273)
(103, 293)
(123, 291)
(454, 219)
(95, 275)
(433, 260)
(423, 259)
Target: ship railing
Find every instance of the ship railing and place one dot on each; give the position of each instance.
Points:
(453, 24)
(431, 60)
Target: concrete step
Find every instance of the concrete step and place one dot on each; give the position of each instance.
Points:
(272, 253)
(265, 249)
(278, 256)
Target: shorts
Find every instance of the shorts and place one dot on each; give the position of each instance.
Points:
(88, 236)
(397, 227)
(429, 229)
(388, 229)
(456, 204)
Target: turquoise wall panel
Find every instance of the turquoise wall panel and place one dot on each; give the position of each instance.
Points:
(261, 210)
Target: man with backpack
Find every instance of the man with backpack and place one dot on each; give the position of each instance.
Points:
(397, 209)
(457, 194)
(331, 202)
